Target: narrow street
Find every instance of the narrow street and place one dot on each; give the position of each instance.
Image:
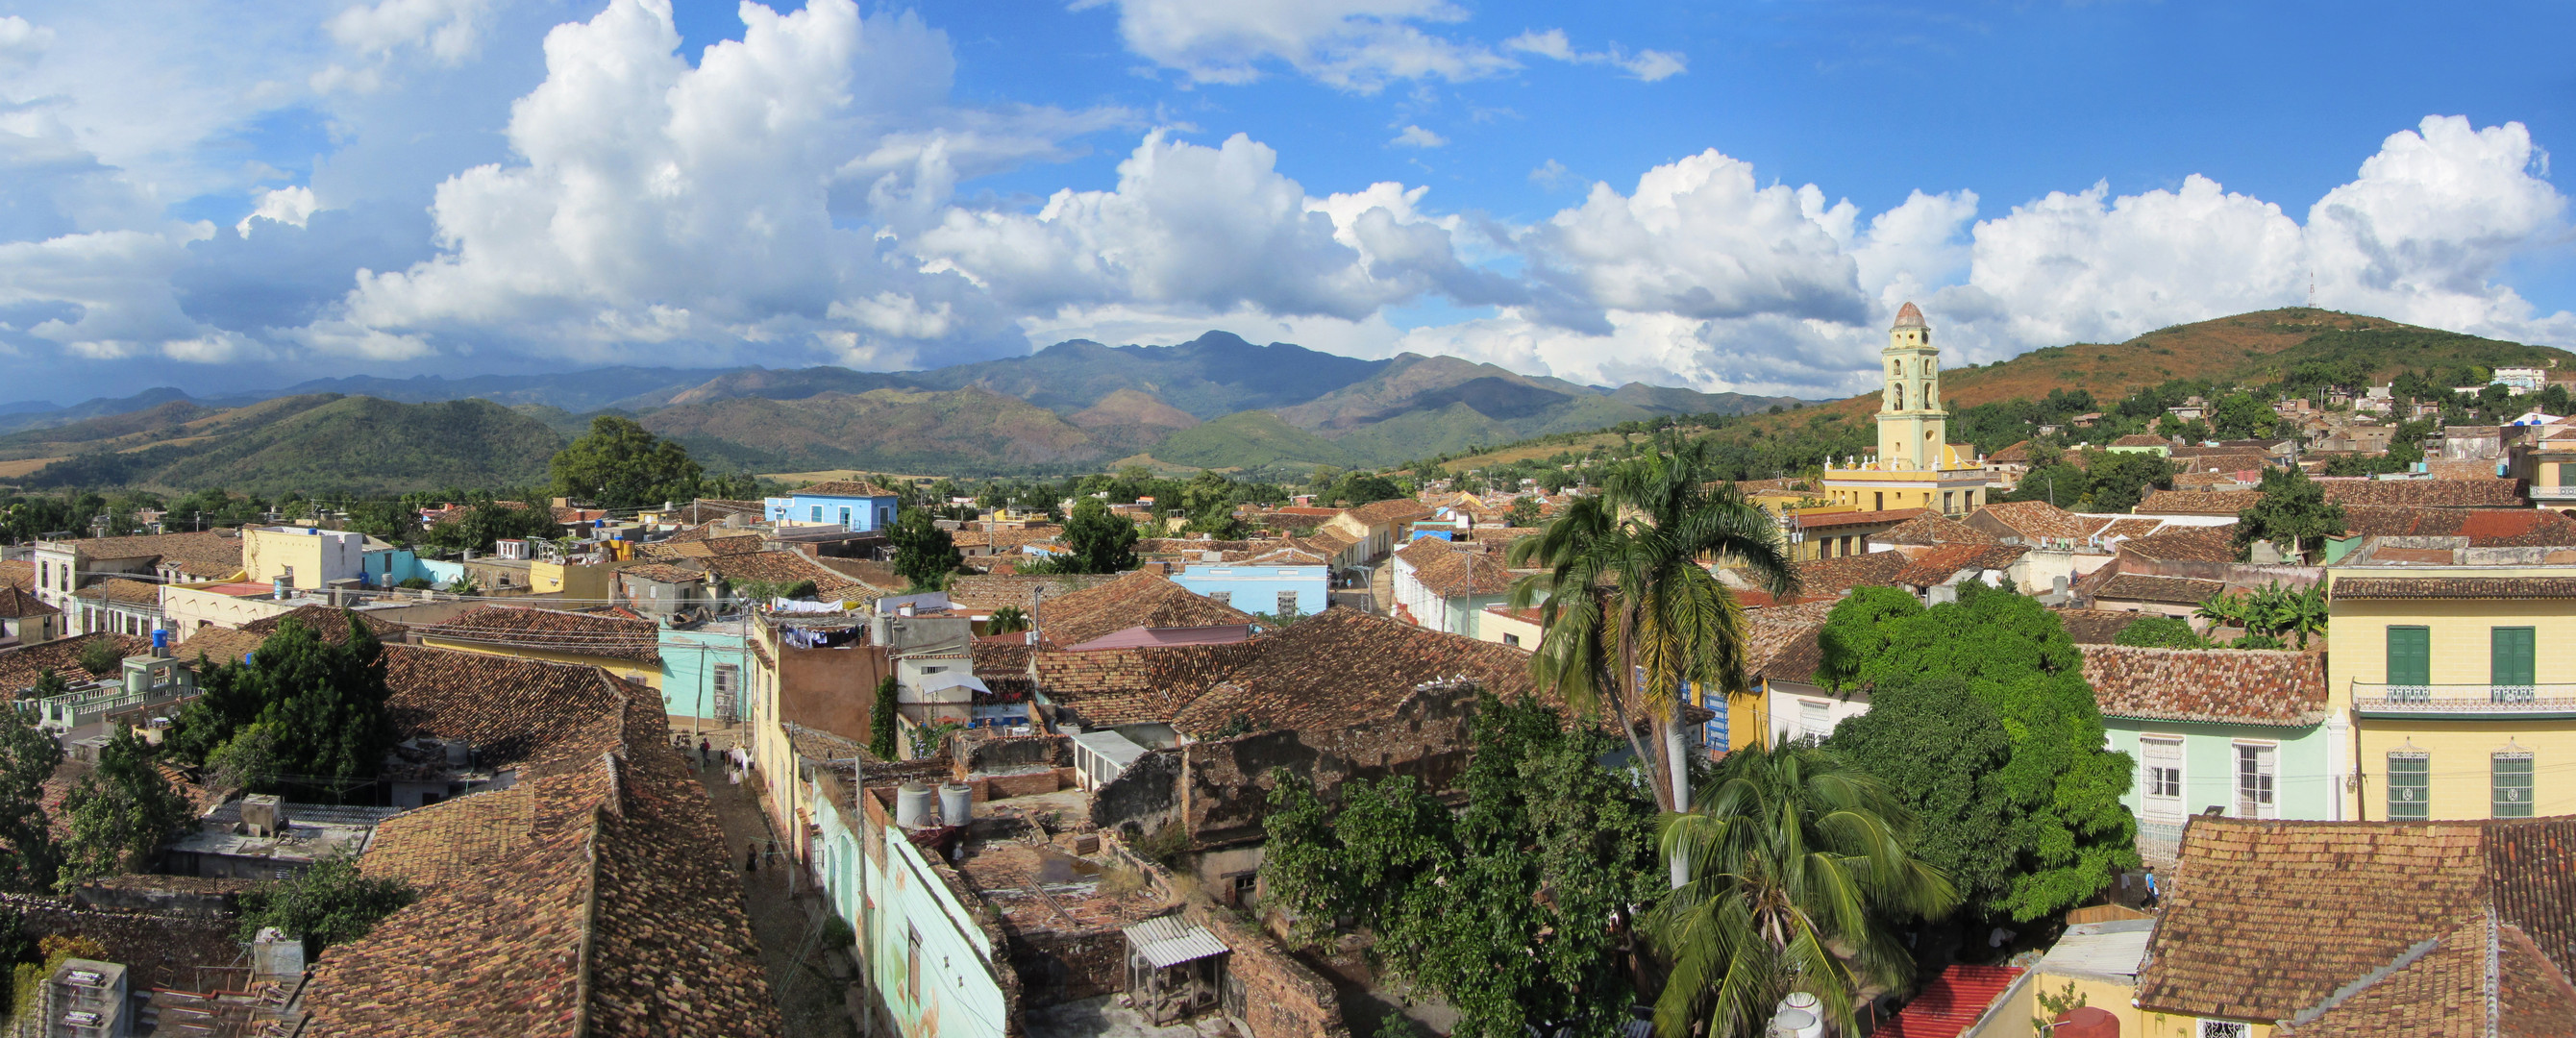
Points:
(813, 1006)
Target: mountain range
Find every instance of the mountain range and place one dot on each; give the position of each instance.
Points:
(1215, 402)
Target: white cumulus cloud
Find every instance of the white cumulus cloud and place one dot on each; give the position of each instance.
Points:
(286, 205)
(1359, 45)
(1417, 137)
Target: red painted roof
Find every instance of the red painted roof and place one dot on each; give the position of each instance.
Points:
(1951, 1003)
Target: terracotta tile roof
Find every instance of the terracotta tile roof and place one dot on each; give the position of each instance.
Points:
(1941, 563)
(502, 628)
(583, 901)
(1830, 577)
(2482, 970)
(1463, 573)
(218, 645)
(982, 592)
(1929, 529)
(17, 603)
(20, 667)
(1133, 600)
(784, 567)
(1111, 687)
(1780, 641)
(18, 571)
(2219, 686)
(211, 553)
(663, 572)
(2111, 529)
(714, 509)
(2094, 626)
(2141, 587)
(2266, 920)
(1395, 510)
(2185, 544)
(1421, 550)
(2141, 440)
(845, 488)
(716, 542)
(2017, 453)
(120, 589)
(2454, 587)
(328, 623)
(1897, 516)
(1343, 668)
(2514, 527)
(2197, 502)
(2035, 519)
(509, 709)
(2425, 493)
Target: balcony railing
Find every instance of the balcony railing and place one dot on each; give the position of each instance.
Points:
(2480, 700)
(2564, 493)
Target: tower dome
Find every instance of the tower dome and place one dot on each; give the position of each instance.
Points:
(1908, 317)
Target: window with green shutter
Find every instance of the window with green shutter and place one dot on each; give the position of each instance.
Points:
(2410, 782)
(2509, 651)
(2512, 782)
(2410, 660)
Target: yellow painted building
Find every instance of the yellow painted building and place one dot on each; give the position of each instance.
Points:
(576, 581)
(1915, 466)
(2449, 674)
(309, 558)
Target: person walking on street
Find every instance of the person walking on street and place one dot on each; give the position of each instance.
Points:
(2152, 893)
(751, 856)
(703, 746)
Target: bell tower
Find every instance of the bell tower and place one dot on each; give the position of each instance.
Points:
(1911, 423)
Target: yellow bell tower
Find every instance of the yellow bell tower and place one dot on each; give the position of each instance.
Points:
(1910, 419)
(1914, 467)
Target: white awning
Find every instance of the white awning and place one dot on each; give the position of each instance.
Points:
(1166, 941)
(951, 679)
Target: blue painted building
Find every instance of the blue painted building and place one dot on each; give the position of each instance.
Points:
(703, 670)
(1256, 587)
(847, 504)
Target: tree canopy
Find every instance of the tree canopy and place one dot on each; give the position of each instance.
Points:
(28, 756)
(1097, 540)
(619, 465)
(118, 813)
(1515, 908)
(2060, 787)
(330, 903)
(923, 553)
(2292, 513)
(329, 696)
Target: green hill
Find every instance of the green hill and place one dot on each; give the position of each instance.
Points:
(1250, 439)
(909, 430)
(329, 443)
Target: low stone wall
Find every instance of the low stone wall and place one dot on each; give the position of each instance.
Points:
(1281, 997)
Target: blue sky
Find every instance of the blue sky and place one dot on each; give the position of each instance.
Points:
(1726, 196)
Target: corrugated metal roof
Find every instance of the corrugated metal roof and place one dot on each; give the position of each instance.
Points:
(1166, 941)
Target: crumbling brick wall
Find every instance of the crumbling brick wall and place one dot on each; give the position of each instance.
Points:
(157, 950)
(984, 755)
(1144, 798)
(1056, 967)
(1281, 997)
(1229, 780)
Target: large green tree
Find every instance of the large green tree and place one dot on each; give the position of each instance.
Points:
(1799, 864)
(118, 813)
(2061, 787)
(617, 464)
(923, 553)
(1515, 907)
(1099, 540)
(2119, 480)
(329, 696)
(28, 756)
(1940, 751)
(2292, 513)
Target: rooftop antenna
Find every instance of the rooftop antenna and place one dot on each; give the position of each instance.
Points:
(2312, 288)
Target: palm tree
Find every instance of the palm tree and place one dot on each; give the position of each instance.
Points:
(1797, 860)
(1629, 610)
(1008, 619)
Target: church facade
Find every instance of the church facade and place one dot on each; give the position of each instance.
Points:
(1915, 467)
